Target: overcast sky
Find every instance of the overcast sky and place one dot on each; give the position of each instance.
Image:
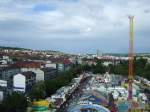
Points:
(75, 26)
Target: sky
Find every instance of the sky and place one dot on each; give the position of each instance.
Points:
(75, 26)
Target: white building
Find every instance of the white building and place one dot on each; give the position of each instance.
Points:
(19, 81)
(24, 81)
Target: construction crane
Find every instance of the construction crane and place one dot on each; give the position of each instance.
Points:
(130, 55)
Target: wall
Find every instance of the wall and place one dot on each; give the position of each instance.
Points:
(39, 73)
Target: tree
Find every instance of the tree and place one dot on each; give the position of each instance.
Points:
(140, 68)
(111, 68)
(146, 73)
(139, 65)
(121, 68)
(99, 68)
(38, 91)
(15, 102)
(86, 67)
(61, 80)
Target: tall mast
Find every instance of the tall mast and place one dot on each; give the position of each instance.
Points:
(130, 55)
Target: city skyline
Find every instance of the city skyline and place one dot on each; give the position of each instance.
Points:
(75, 26)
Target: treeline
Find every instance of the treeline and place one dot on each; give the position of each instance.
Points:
(141, 67)
(12, 48)
(97, 68)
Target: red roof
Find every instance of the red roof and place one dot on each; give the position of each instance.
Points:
(27, 64)
(61, 60)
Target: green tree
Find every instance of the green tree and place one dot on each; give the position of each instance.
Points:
(15, 102)
(139, 66)
(99, 68)
(146, 72)
(61, 80)
(86, 67)
(121, 68)
(38, 91)
(111, 68)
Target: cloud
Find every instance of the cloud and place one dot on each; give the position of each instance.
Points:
(78, 20)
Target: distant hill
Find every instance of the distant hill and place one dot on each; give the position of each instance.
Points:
(117, 54)
(12, 48)
(18, 48)
(54, 52)
(125, 54)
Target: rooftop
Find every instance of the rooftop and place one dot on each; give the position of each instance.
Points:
(27, 64)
